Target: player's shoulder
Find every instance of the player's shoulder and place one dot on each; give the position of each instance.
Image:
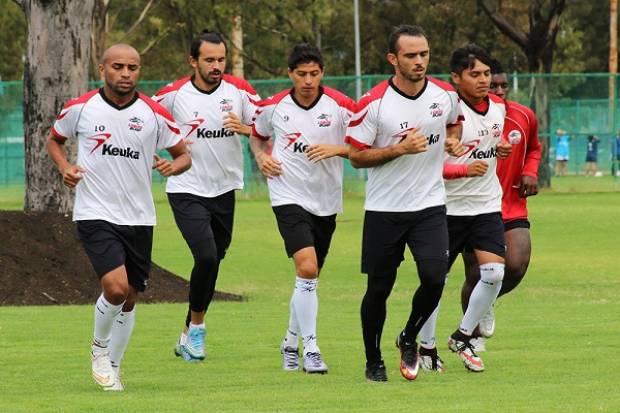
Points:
(373, 95)
(80, 100)
(514, 106)
(496, 100)
(173, 87)
(157, 108)
(239, 83)
(441, 84)
(275, 99)
(340, 98)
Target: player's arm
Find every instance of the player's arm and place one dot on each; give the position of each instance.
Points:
(261, 148)
(414, 142)
(181, 160)
(453, 145)
(529, 175)
(71, 174)
(318, 152)
(234, 124)
(473, 170)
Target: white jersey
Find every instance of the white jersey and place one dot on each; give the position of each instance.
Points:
(217, 156)
(482, 132)
(384, 117)
(316, 187)
(116, 148)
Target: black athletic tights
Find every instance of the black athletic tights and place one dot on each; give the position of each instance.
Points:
(204, 276)
(432, 274)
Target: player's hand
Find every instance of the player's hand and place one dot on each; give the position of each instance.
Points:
(477, 168)
(454, 147)
(164, 166)
(233, 124)
(528, 186)
(414, 142)
(268, 165)
(503, 149)
(71, 175)
(316, 153)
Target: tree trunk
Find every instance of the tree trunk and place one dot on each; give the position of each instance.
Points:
(56, 69)
(540, 106)
(237, 46)
(98, 34)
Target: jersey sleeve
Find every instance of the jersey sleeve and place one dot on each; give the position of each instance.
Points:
(533, 149)
(454, 171)
(250, 101)
(362, 129)
(456, 113)
(65, 125)
(169, 132)
(166, 99)
(263, 126)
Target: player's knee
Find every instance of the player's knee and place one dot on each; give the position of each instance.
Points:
(432, 273)
(205, 255)
(308, 269)
(492, 272)
(116, 293)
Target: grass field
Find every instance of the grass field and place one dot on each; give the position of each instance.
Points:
(555, 350)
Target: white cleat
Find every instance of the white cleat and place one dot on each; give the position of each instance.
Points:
(314, 364)
(290, 358)
(118, 382)
(487, 324)
(102, 368)
(479, 344)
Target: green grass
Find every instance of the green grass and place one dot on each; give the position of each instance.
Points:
(555, 348)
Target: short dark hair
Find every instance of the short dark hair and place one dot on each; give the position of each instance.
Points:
(465, 58)
(205, 36)
(497, 68)
(304, 53)
(403, 30)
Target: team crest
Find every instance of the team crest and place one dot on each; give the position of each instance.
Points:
(496, 130)
(136, 124)
(436, 110)
(226, 105)
(514, 137)
(325, 120)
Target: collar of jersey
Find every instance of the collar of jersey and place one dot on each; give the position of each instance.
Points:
(206, 92)
(114, 105)
(473, 107)
(313, 104)
(403, 94)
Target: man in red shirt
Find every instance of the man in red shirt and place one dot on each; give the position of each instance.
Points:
(518, 175)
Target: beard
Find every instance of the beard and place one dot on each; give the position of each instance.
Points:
(206, 77)
(121, 91)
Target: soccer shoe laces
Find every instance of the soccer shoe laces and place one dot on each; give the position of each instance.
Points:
(315, 359)
(291, 357)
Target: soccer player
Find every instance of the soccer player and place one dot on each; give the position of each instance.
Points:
(592, 155)
(213, 110)
(518, 176)
(304, 174)
(118, 132)
(562, 152)
(400, 132)
(474, 204)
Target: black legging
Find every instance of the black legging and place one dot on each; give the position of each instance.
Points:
(203, 278)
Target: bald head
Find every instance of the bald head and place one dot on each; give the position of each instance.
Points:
(120, 70)
(120, 51)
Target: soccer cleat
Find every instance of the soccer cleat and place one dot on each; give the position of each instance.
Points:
(290, 358)
(102, 367)
(487, 323)
(409, 362)
(479, 344)
(118, 383)
(314, 364)
(375, 371)
(194, 347)
(430, 360)
(465, 350)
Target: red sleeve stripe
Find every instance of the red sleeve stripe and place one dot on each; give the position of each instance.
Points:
(341, 99)
(272, 100)
(373, 94)
(82, 99)
(444, 85)
(357, 121)
(258, 135)
(353, 142)
(156, 107)
(57, 135)
(173, 86)
(239, 83)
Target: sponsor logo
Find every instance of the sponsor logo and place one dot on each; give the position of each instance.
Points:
(226, 105)
(432, 139)
(514, 137)
(298, 147)
(475, 153)
(193, 124)
(325, 120)
(100, 139)
(436, 110)
(209, 133)
(122, 152)
(136, 124)
(496, 130)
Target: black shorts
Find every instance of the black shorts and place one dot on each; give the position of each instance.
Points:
(484, 232)
(300, 229)
(202, 219)
(516, 223)
(386, 234)
(110, 246)
(591, 158)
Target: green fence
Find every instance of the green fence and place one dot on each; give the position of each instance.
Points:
(578, 104)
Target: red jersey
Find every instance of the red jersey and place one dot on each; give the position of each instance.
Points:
(521, 130)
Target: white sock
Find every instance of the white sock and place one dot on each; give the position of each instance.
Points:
(482, 297)
(105, 313)
(427, 333)
(121, 332)
(201, 325)
(183, 338)
(292, 332)
(306, 304)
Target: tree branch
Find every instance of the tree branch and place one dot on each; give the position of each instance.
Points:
(137, 22)
(514, 33)
(20, 3)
